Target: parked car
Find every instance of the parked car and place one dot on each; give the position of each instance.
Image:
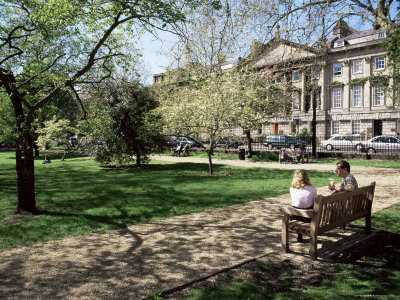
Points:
(280, 141)
(6, 145)
(73, 140)
(382, 144)
(185, 140)
(341, 142)
(228, 143)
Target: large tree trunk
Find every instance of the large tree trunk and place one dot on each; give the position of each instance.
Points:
(24, 157)
(25, 173)
(138, 160)
(249, 146)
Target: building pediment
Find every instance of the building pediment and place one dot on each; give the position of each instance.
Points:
(281, 52)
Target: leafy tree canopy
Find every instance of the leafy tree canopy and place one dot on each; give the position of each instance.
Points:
(50, 46)
(53, 131)
(125, 126)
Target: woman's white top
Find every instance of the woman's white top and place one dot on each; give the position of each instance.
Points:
(303, 198)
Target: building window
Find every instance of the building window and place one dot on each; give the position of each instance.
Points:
(381, 34)
(337, 69)
(335, 127)
(357, 66)
(296, 75)
(296, 100)
(278, 80)
(337, 98)
(378, 95)
(339, 43)
(357, 96)
(315, 73)
(379, 63)
(355, 126)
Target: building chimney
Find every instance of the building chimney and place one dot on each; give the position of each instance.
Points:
(255, 47)
(277, 32)
(342, 29)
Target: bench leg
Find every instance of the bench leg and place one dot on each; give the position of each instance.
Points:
(313, 247)
(285, 233)
(367, 228)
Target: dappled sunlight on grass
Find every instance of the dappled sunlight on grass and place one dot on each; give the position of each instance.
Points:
(78, 196)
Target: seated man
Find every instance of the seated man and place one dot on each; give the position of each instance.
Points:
(348, 183)
(186, 149)
(301, 152)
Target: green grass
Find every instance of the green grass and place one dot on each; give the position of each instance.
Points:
(375, 275)
(77, 196)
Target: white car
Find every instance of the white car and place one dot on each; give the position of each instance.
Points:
(341, 142)
(388, 144)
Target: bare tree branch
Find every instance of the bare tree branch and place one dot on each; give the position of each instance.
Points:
(80, 101)
(42, 71)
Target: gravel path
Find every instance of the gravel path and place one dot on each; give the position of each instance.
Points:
(137, 261)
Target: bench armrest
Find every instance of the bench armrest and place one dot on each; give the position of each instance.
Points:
(290, 210)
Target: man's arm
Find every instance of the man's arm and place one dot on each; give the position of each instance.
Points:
(348, 188)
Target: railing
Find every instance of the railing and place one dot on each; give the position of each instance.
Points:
(357, 145)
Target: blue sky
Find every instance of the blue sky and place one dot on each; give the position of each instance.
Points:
(152, 49)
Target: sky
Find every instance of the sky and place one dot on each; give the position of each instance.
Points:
(152, 48)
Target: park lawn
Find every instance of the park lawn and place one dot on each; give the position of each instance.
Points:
(77, 196)
(371, 271)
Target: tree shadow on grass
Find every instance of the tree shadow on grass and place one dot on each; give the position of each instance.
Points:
(134, 262)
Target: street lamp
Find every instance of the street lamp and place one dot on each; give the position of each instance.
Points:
(314, 122)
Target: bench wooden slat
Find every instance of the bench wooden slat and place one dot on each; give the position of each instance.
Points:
(290, 210)
(329, 212)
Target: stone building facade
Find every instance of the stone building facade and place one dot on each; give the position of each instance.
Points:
(341, 78)
(339, 81)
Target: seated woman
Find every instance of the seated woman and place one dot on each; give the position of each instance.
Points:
(46, 159)
(303, 195)
(283, 156)
(177, 150)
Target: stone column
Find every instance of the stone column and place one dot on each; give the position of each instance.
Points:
(346, 88)
(367, 92)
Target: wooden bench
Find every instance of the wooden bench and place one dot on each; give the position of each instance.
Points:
(304, 156)
(185, 152)
(329, 212)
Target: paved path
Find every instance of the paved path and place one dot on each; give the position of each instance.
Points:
(133, 263)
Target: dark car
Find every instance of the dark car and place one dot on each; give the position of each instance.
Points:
(6, 145)
(280, 141)
(185, 140)
(228, 143)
